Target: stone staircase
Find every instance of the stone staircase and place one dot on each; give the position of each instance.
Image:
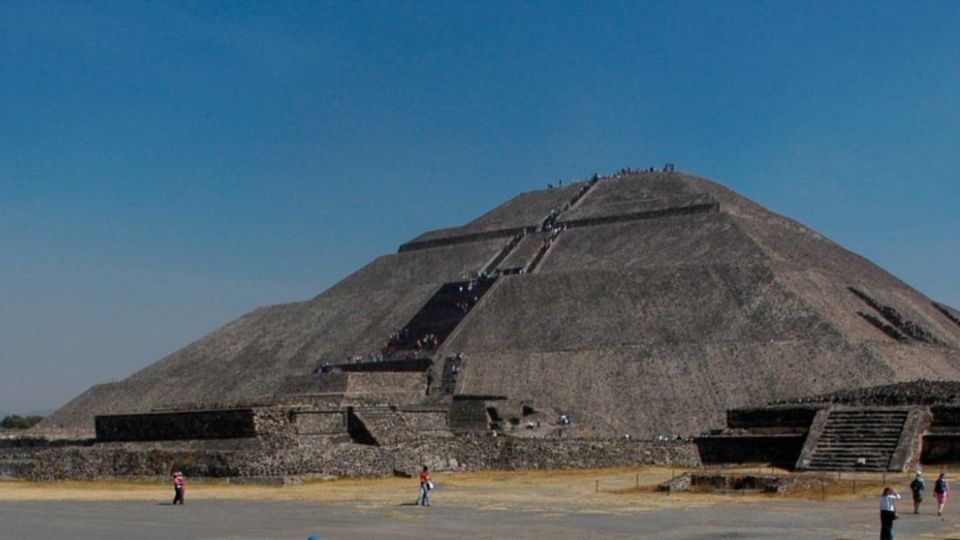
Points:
(857, 439)
(439, 316)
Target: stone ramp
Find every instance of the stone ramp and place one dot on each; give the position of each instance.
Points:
(855, 438)
(381, 426)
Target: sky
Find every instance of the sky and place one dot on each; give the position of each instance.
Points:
(166, 167)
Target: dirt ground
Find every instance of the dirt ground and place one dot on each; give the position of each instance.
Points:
(608, 503)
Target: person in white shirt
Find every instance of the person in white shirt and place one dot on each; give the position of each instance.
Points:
(888, 512)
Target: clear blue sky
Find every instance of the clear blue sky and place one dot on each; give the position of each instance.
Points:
(166, 167)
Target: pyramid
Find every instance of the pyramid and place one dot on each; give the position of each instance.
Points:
(642, 303)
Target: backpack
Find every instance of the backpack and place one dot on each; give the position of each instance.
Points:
(916, 485)
(940, 486)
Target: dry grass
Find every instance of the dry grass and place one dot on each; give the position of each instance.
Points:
(626, 489)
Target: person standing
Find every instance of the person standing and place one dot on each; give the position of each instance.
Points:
(425, 487)
(888, 512)
(178, 487)
(941, 491)
(916, 489)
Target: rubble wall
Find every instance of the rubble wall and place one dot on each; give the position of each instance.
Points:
(425, 420)
(783, 450)
(253, 459)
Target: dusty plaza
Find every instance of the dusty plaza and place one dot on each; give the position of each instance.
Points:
(604, 503)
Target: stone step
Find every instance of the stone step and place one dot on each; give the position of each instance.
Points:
(861, 436)
(850, 436)
(849, 463)
(855, 444)
(866, 425)
(850, 456)
(862, 433)
(855, 448)
(853, 453)
(856, 434)
(859, 440)
(848, 459)
(839, 467)
(867, 420)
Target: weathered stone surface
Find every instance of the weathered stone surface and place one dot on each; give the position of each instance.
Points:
(766, 483)
(920, 392)
(658, 302)
(466, 453)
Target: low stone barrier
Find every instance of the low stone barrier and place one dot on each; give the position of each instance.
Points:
(464, 453)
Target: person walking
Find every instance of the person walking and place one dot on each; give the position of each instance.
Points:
(941, 491)
(888, 512)
(425, 486)
(178, 487)
(916, 489)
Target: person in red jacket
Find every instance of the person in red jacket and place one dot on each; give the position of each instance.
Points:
(179, 487)
(425, 487)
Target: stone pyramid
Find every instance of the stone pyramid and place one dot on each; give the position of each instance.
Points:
(643, 303)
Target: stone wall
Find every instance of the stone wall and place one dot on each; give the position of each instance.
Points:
(771, 417)
(782, 450)
(314, 383)
(330, 422)
(468, 453)
(126, 460)
(940, 448)
(469, 415)
(481, 452)
(413, 364)
(942, 443)
(425, 420)
(945, 417)
(390, 387)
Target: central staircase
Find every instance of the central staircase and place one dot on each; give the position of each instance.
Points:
(440, 315)
(859, 439)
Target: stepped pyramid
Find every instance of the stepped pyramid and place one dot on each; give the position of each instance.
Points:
(643, 303)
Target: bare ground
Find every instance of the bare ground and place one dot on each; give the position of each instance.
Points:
(609, 503)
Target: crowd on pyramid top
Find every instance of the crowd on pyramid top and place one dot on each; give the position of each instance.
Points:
(626, 171)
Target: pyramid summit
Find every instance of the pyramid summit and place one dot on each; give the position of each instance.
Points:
(641, 304)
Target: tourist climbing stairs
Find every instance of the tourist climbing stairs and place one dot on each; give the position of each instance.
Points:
(451, 370)
(494, 264)
(858, 439)
(545, 245)
(430, 326)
